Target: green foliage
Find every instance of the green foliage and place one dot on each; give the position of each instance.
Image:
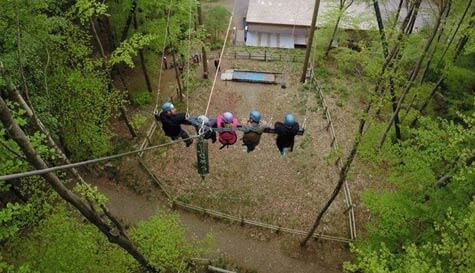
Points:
(86, 9)
(60, 243)
(12, 218)
(460, 84)
(138, 120)
(141, 98)
(91, 193)
(162, 239)
(452, 250)
(15, 162)
(86, 106)
(215, 23)
(417, 219)
(128, 49)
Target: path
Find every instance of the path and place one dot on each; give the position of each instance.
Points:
(249, 248)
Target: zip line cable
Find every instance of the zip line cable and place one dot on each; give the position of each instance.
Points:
(91, 161)
(155, 109)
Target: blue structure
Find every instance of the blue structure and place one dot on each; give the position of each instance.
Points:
(250, 76)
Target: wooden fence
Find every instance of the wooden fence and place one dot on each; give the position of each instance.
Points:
(265, 56)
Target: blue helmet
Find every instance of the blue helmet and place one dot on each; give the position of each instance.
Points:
(228, 117)
(167, 106)
(255, 116)
(289, 120)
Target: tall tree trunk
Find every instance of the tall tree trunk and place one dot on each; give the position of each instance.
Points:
(382, 33)
(98, 39)
(460, 45)
(142, 58)
(398, 13)
(130, 17)
(341, 11)
(123, 112)
(333, 33)
(426, 102)
(15, 132)
(177, 77)
(459, 24)
(203, 49)
(388, 61)
(413, 75)
(384, 44)
(117, 70)
(310, 41)
(434, 50)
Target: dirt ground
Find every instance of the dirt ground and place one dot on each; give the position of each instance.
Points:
(249, 249)
(261, 185)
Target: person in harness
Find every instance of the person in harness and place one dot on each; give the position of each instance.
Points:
(228, 123)
(286, 133)
(171, 123)
(252, 132)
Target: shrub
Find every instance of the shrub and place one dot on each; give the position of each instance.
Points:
(141, 98)
(162, 239)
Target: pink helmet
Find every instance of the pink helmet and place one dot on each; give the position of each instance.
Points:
(228, 117)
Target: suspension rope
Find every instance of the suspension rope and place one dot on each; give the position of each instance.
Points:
(220, 58)
(157, 99)
(284, 71)
(91, 161)
(187, 76)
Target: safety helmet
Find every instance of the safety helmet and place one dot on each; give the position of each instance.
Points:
(203, 119)
(228, 117)
(167, 106)
(255, 116)
(289, 120)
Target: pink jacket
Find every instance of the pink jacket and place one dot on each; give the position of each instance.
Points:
(227, 137)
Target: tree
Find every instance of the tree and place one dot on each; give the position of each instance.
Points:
(115, 234)
(203, 49)
(343, 6)
(415, 71)
(310, 41)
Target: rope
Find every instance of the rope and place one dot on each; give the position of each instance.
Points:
(88, 162)
(220, 58)
(157, 99)
(187, 78)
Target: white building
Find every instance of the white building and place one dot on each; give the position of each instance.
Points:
(286, 23)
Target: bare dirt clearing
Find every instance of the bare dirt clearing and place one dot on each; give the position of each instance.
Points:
(251, 249)
(261, 185)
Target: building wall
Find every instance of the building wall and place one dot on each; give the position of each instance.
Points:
(273, 35)
(283, 29)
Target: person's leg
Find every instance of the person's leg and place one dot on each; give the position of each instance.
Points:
(250, 147)
(184, 135)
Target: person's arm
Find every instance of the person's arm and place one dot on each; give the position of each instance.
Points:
(219, 121)
(180, 118)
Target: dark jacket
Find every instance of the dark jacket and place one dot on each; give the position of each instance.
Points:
(252, 134)
(171, 124)
(286, 135)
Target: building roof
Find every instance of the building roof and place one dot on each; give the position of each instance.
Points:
(360, 15)
(280, 12)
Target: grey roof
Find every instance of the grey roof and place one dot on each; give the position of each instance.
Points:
(360, 15)
(285, 12)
